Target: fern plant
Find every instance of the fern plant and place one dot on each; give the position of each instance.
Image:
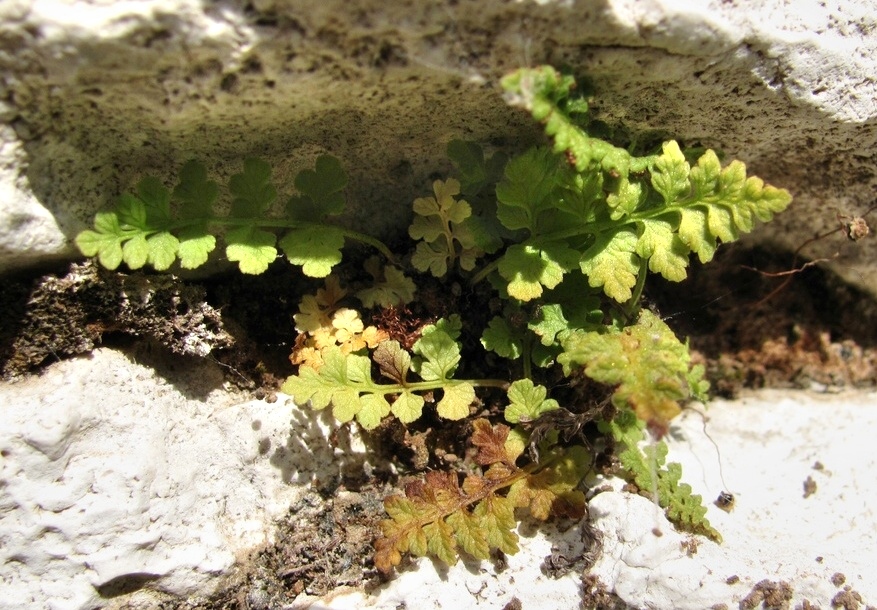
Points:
(144, 228)
(608, 213)
(565, 235)
(438, 516)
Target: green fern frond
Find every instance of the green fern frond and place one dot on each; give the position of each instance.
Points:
(621, 214)
(156, 227)
(644, 464)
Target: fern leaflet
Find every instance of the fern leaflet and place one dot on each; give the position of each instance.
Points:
(440, 517)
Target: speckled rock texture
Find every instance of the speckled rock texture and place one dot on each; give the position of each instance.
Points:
(123, 474)
(57, 317)
(94, 94)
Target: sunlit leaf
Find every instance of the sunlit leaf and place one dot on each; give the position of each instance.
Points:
(611, 263)
(455, 403)
(253, 249)
(316, 249)
(527, 401)
(648, 366)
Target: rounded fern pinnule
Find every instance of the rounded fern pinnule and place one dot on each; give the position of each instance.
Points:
(440, 225)
(157, 227)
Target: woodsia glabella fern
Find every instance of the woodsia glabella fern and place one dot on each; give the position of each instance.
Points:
(565, 234)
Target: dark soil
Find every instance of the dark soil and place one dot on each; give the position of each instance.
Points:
(324, 542)
(809, 330)
(59, 316)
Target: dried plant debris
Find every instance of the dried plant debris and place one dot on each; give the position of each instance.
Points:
(725, 501)
(514, 604)
(848, 599)
(597, 595)
(809, 486)
(690, 546)
(64, 316)
(324, 542)
(566, 557)
(327, 543)
(769, 595)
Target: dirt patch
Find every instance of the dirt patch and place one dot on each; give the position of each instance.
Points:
(595, 595)
(769, 595)
(324, 542)
(61, 316)
(814, 333)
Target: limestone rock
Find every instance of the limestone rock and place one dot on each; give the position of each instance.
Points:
(121, 474)
(94, 94)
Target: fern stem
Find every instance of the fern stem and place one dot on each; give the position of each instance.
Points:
(280, 223)
(485, 271)
(633, 305)
(527, 356)
(371, 241)
(490, 383)
(371, 387)
(449, 239)
(595, 228)
(423, 386)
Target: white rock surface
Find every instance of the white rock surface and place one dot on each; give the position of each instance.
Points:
(94, 94)
(120, 472)
(769, 442)
(115, 475)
